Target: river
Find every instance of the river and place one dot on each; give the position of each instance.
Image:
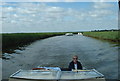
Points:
(58, 51)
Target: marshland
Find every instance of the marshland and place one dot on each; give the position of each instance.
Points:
(57, 50)
(104, 35)
(95, 49)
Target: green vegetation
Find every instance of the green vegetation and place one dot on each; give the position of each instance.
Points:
(11, 41)
(14, 40)
(106, 35)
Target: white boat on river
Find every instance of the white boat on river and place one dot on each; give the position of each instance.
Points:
(56, 74)
(69, 34)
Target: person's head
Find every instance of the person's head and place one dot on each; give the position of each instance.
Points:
(75, 58)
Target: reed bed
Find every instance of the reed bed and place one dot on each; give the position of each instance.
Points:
(106, 35)
(11, 41)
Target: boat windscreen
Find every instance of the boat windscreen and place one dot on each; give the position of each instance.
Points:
(46, 75)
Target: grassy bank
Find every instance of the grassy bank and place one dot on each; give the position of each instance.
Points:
(105, 35)
(15, 40)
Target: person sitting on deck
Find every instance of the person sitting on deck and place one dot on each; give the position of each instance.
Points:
(75, 64)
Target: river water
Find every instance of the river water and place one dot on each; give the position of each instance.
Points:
(58, 51)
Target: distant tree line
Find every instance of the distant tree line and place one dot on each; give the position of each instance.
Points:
(105, 30)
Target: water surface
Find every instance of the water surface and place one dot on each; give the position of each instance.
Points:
(58, 51)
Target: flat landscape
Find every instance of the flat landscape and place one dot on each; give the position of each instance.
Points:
(105, 35)
(58, 51)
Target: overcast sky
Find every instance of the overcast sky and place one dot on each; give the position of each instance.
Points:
(58, 16)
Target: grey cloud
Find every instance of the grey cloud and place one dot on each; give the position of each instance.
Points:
(102, 5)
(48, 18)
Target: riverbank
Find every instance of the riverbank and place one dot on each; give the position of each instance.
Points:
(12, 41)
(58, 51)
(104, 35)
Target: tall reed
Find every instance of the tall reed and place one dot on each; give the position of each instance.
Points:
(106, 35)
(14, 40)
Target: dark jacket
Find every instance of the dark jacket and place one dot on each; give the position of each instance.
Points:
(71, 65)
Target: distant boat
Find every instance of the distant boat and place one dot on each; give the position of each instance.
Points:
(79, 33)
(69, 34)
(56, 74)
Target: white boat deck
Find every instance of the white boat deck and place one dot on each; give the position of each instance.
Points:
(83, 74)
(35, 74)
(40, 75)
